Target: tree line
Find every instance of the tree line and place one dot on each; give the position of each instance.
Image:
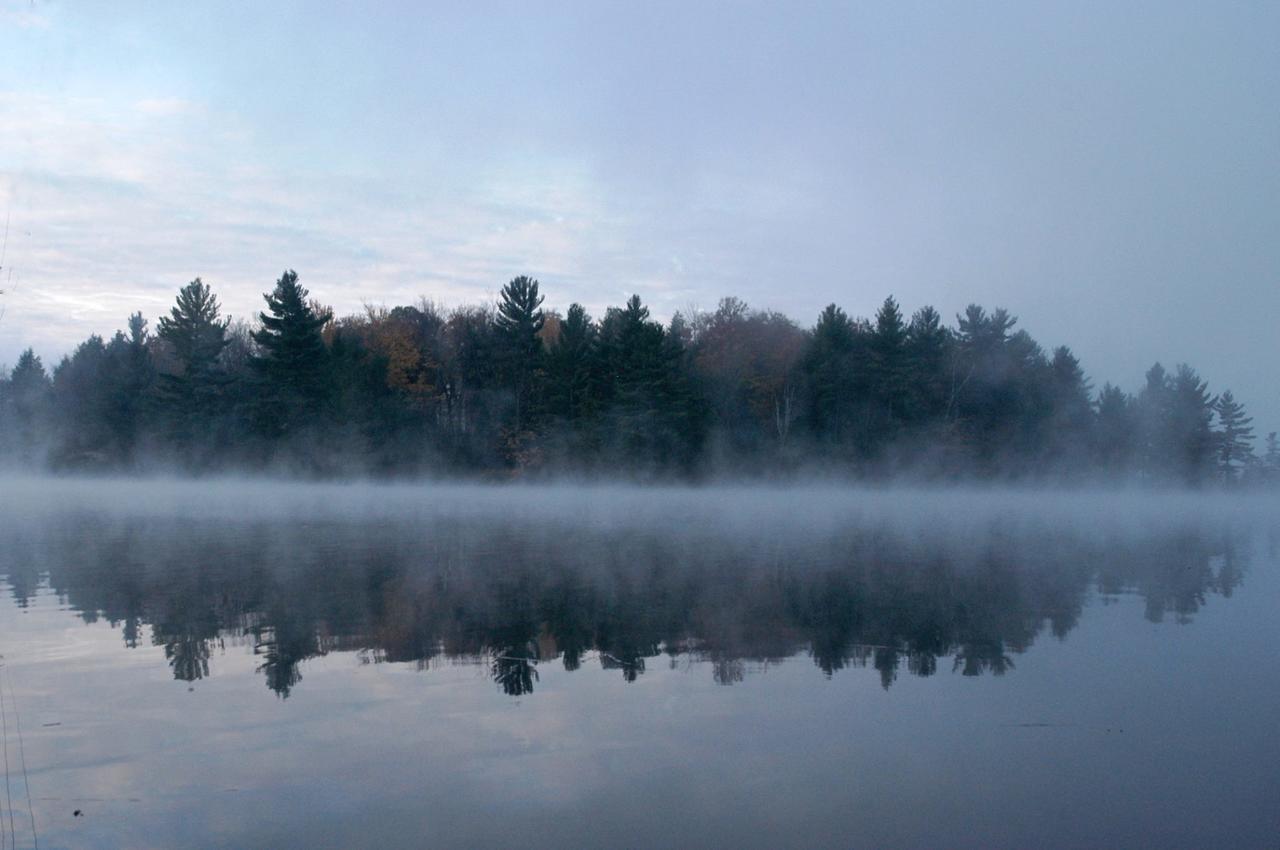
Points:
(516, 389)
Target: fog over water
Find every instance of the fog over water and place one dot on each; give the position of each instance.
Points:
(233, 663)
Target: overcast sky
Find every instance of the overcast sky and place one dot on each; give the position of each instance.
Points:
(1109, 172)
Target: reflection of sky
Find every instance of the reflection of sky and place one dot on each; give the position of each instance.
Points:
(1106, 172)
(1159, 735)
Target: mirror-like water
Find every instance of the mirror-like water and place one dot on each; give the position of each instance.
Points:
(254, 665)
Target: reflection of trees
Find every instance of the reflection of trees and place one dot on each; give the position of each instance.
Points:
(513, 598)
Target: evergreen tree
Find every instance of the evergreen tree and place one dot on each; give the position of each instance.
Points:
(1154, 411)
(834, 367)
(1071, 420)
(191, 389)
(1234, 436)
(927, 344)
(890, 365)
(652, 414)
(1191, 434)
(1115, 433)
(292, 363)
(519, 321)
(28, 408)
(570, 367)
(131, 377)
(82, 396)
(1271, 460)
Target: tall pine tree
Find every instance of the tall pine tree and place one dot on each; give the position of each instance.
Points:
(1234, 436)
(292, 363)
(192, 388)
(519, 322)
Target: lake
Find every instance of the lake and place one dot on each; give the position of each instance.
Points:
(254, 664)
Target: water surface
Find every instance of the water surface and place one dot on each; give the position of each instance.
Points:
(235, 664)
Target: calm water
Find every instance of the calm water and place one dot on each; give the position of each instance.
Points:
(253, 665)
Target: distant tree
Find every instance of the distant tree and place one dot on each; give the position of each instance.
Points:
(1234, 436)
(927, 351)
(82, 396)
(747, 365)
(1271, 460)
(1071, 418)
(519, 322)
(571, 379)
(292, 363)
(28, 408)
(1191, 425)
(191, 389)
(835, 368)
(652, 416)
(131, 378)
(1115, 435)
(997, 410)
(1153, 413)
(890, 369)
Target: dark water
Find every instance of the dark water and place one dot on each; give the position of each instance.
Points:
(251, 665)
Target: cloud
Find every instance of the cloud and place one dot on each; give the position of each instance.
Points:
(120, 203)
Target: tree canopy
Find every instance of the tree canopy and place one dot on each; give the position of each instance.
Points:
(513, 388)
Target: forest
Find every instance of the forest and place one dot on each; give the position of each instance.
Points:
(515, 390)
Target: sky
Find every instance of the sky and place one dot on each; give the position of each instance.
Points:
(1109, 172)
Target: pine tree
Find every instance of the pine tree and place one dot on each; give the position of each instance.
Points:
(1234, 436)
(1191, 432)
(191, 390)
(653, 414)
(82, 399)
(927, 344)
(519, 321)
(570, 362)
(890, 367)
(1271, 460)
(1115, 432)
(836, 383)
(292, 363)
(28, 404)
(1071, 418)
(131, 377)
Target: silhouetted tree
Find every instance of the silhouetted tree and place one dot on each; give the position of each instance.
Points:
(292, 362)
(192, 382)
(27, 408)
(519, 321)
(1234, 436)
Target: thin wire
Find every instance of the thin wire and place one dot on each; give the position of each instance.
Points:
(22, 759)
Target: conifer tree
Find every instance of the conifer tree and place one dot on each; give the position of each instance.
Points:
(28, 403)
(1271, 460)
(1114, 434)
(292, 363)
(835, 386)
(927, 343)
(1234, 436)
(191, 391)
(519, 321)
(570, 366)
(890, 366)
(1190, 424)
